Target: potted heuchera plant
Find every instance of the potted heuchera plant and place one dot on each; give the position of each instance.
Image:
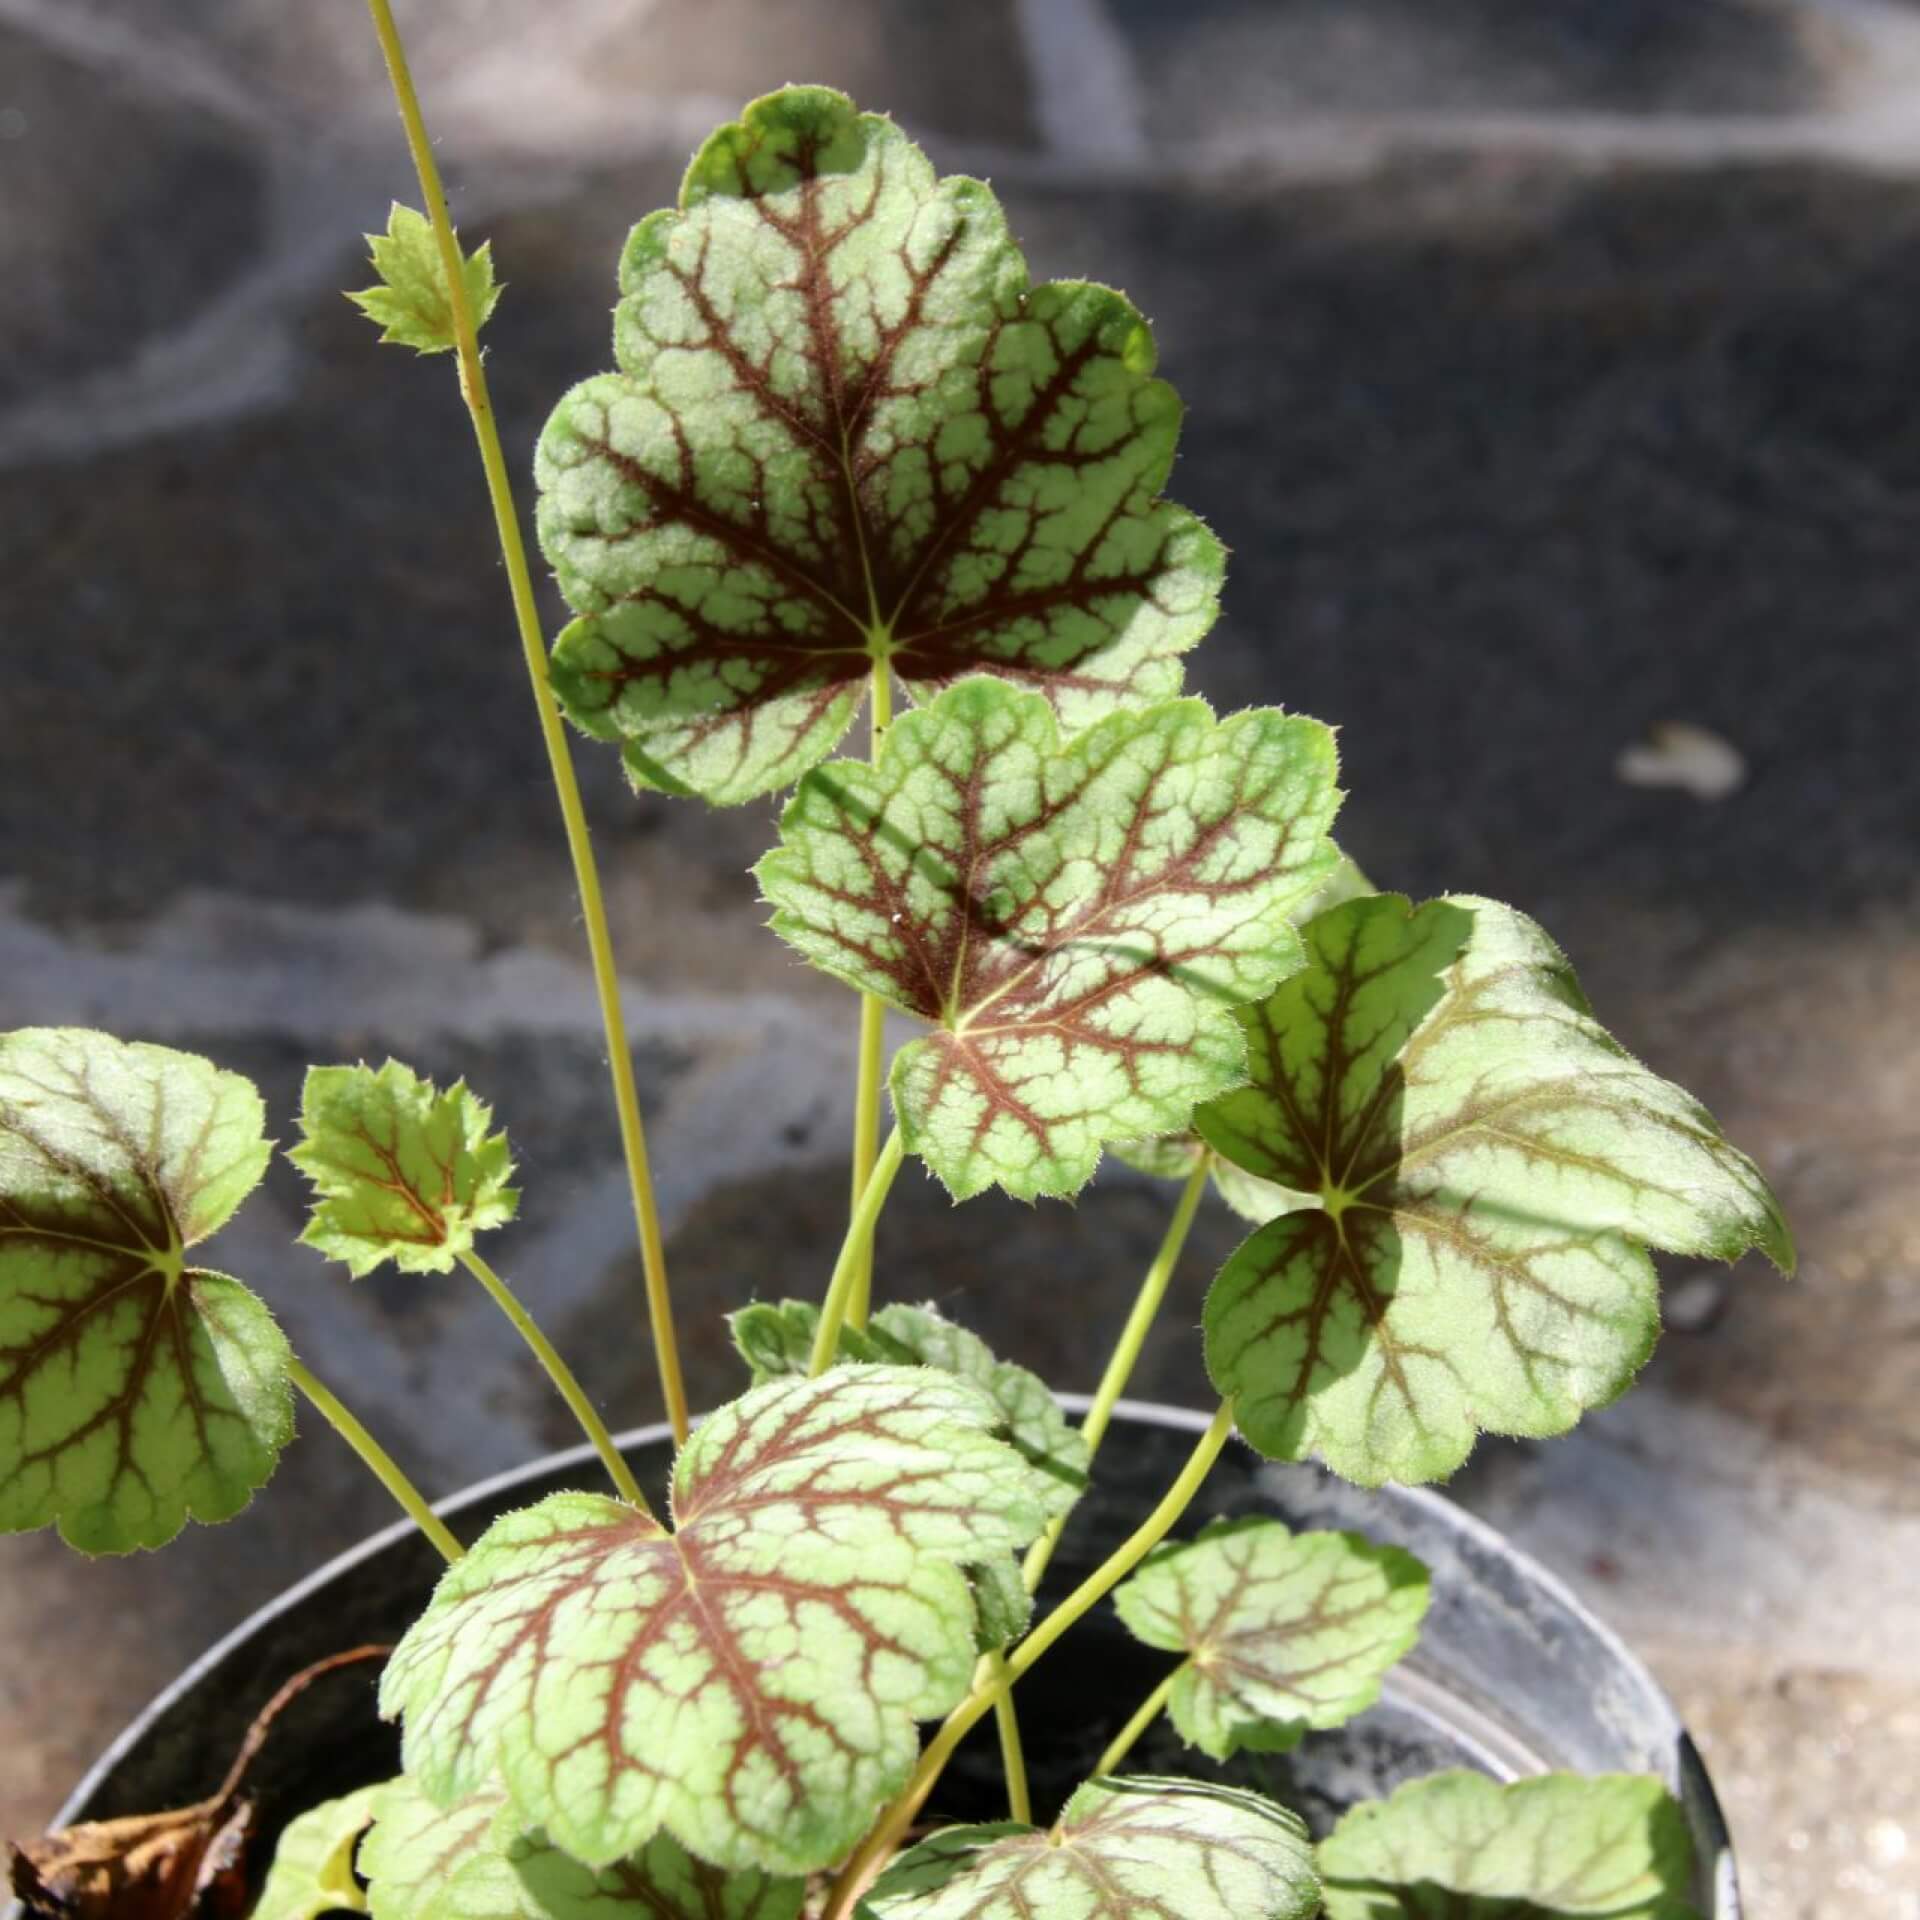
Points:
(850, 451)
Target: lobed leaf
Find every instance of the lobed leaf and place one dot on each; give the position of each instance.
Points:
(410, 302)
(1132, 1849)
(846, 430)
(403, 1172)
(470, 1862)
(1457, 1846)
(776, 1340)
(312, 1871)
(1077, 922)
(1282, 1632)
(750, 1681)
(1491, 1167)
(136, 1391)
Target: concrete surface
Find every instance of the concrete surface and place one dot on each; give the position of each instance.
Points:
(1550, 371)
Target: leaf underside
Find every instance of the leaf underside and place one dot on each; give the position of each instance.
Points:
(749, 1682)
(1457, 1846)
(470, 1862)
(1491, 1167)
(401, 1171)
(1283, 1633)
(1076, 921)
(312, 1871)
(846, 429)
(1125, 1849)
(136, 1391)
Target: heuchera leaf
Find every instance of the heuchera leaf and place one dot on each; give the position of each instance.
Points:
(470, 1862)
(1132, 1849)
(1283, 1632)
(1171, 1156)
(312, 1871)
(403, 1171)
(410, 303)
(1076, 921)
(1491, 1168)
(1551, 1848)
(136, 1391)
(846, 429)
(776, 1340)
(750, 1681)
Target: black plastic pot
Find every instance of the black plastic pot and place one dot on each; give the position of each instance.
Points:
(1512, 1674)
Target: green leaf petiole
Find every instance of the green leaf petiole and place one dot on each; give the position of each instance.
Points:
(857, 1248)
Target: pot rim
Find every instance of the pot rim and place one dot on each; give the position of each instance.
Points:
(1150, 1413)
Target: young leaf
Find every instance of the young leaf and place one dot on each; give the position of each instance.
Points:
(312, 1871)
(403, 1171)
(470, 1862)
(1133, 1849)
(411, 302)
(1077, 922)
(136, 1391)
(1551, 1848)
(1491, 1167)
(777, 1340)
(749, 1682)
(1283, 1632)
(845, 429)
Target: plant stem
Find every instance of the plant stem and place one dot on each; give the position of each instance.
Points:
(562, 1377)
(857, 1245)
(859, 1870)
(379, 1460)
(606, 980)
(1126, 1353)
(1013, 1761)
(873, 1037)
(1149, 1712)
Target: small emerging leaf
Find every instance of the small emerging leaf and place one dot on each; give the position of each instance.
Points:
(1132, 1849)
(846, 430)
(1076, 921)
(136, 1391)
(1491, 1166)
(312, 1871)
(470, 1862)
(411, 302)
(1283, 1632)
(403, 1171)
(750, 1681)
(1552, 1848)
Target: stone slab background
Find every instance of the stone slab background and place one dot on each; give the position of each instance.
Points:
(1550, 370)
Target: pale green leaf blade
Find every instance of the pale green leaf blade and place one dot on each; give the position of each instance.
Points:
(470, 1862)
(1125, 1849)
(312, 1871)
(749, 1682)
(1491, 1166)
(1457, 1845)
(410, 302)
(846, 428)
(401, 1171)
(1077, 921)
(1283, 1633)
(136, 1391)
(776, 1341)
(1002, 1605)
